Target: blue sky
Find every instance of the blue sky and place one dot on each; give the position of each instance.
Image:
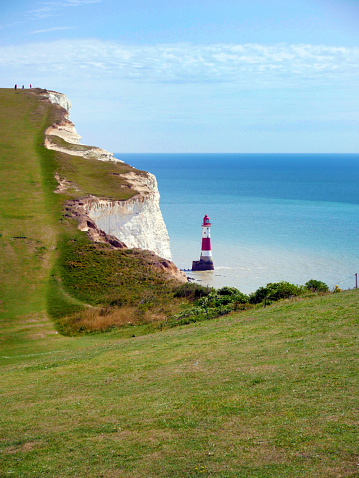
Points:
(193, 75)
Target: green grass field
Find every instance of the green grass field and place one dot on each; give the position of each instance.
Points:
(267, 392)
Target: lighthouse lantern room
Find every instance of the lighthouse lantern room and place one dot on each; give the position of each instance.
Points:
(205, 263)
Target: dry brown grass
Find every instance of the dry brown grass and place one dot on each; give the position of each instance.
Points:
(97, 319)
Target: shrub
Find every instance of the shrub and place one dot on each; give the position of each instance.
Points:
(228, 291)
(216, 299)
(276, 291)
(192, 291)
(316, 286)
(241, 298)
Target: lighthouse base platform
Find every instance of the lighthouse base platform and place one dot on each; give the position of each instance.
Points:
(202, 265)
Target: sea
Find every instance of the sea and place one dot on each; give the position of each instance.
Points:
(275, 217)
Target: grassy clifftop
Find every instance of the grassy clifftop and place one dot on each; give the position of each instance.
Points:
(27, 214)
(48, 267)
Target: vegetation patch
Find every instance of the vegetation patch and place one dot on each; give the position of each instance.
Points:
(209, 303)
(70, 146)
(109, 283)
(93, 177)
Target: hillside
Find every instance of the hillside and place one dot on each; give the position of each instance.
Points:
(49, 267)
(265, 393)
(261, 393)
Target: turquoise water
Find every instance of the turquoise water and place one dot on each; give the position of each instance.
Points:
(274, 217)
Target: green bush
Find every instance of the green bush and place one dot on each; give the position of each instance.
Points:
(218, 299)
(276, 291)
(228, 291)
(192, 291)
(316, 286)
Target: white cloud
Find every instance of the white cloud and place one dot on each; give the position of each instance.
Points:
(248, 65)
(46, 9)
(11, 25)
(46, 30)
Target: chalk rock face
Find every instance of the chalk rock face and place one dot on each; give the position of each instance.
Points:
(137, 222)
(66, 130)
(59, 99)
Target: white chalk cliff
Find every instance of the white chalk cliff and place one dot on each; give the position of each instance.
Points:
(59, 99)
(136, 222)
(66, 131)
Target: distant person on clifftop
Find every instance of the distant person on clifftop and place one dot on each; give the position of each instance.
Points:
(15, 87)
(30, 85)
(23, 87)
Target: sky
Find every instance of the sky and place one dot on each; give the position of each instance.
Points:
(199, 76)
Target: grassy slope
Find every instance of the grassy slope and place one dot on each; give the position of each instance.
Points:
(265, 393)
(28, 235)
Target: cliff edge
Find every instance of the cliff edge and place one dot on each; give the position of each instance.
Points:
(136, 222)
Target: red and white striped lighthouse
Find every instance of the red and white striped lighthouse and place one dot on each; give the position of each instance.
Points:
(205, 263)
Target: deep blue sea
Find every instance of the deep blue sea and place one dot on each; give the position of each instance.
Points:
(274, 217)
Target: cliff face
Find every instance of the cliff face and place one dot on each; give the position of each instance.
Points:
(59, 99)
(138, 221)
(134, 223)
(66, 131)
